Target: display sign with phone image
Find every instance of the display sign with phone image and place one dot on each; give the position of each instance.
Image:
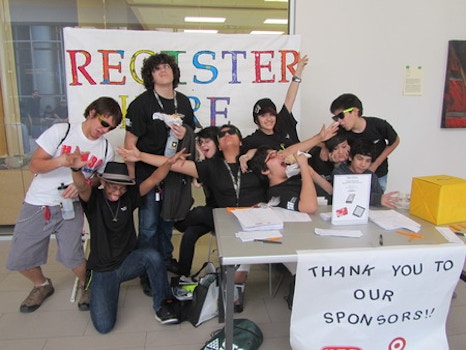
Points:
(351, 198)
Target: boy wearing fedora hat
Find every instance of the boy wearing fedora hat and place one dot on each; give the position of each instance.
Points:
(114, 254)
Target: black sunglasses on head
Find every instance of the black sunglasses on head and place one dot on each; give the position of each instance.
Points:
(230, 131)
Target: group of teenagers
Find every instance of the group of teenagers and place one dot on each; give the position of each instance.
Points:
(163, 159)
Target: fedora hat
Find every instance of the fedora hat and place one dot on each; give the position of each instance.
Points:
(117, 173)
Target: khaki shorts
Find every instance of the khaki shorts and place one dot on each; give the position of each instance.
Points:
(30, 244)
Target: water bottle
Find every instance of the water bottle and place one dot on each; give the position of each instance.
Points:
(66, 205)
(171, 145)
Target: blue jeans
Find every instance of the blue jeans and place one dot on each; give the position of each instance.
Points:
(154, 232)
(383, 182)
(105, 286)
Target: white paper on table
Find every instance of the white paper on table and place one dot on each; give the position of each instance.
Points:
(252, 235)
(253, 219)
(339, 233)
(449, 235)
(290, 215)
(393, 220)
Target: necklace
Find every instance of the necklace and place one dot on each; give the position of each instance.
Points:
(236, 181)
(114, 215)
(159, 101)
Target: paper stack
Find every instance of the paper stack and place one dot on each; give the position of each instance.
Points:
(393, 220)
(258, 219)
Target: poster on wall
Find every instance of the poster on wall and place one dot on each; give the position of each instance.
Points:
(223, 74)
(375, 298)
(454, 97)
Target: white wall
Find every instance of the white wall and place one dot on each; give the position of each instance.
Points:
(363, 46)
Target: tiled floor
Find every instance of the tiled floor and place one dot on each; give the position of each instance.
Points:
(58, 324)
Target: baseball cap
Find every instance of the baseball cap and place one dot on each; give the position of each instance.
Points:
(262, 106)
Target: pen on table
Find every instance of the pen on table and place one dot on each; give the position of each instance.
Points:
(380, 239)
(461, 234)
(413, 235)
(456, 228)
(267, 241)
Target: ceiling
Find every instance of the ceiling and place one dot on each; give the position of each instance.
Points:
(242, 16)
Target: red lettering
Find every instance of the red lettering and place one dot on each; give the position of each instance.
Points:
(258, 66)
(106, 66)
(289, 66)
(81, 68)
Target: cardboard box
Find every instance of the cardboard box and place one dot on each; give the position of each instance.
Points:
(440, 199)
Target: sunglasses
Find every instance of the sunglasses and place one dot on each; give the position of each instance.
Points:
(230, 131)
(104, 123)
(341, 115)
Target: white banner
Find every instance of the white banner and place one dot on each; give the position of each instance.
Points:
(223, 75)
(390, 298)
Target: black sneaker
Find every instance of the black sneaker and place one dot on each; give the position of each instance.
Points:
(173, 267)
(166, 314)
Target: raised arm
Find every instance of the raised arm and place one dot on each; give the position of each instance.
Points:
(187, 167)
(304, 146)
(130, 143)
(160, 173)
(308, 196)
(294, 85)
(82, 186)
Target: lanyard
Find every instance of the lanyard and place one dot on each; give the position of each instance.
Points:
(236, 182)
(159, 101)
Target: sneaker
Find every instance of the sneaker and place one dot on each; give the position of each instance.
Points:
(182, 294)
(84, 302)
(37, 297)
(187, 280)
(166, 314)
(239, 298)
(173, 267)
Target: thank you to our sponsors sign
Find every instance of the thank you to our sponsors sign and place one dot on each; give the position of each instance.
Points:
(391, 298)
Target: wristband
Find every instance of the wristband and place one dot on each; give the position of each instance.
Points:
(75, 170)
(296, 79)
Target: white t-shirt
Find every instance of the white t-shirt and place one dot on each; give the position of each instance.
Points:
(44, 187)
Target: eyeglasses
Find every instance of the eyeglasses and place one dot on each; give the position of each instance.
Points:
(112, 188)
(270, 155)
(231, 131)
(104, 123)
(341, 115)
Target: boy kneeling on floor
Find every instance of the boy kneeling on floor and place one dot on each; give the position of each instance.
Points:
(114, 256)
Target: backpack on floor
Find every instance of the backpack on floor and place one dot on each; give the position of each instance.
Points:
(202, 305)
(246, 336)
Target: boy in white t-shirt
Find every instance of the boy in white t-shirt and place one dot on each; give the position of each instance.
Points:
(41, 213)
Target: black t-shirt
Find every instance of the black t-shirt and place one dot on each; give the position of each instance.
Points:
(288, 191)
(152, 133)
(380, 133)
(285, 135)
(214, 174)
(111, 241)
(323, 168)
